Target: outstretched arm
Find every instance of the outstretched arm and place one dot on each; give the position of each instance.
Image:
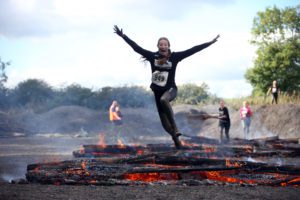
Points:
(134, 45)
(184, 54)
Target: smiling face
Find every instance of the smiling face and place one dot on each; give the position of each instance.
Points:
(163, 46)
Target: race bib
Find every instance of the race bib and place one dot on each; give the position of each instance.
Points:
(160, 78)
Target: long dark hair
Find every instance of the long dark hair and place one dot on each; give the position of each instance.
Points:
(162, 58)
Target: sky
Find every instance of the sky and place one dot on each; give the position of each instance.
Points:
(64, 42)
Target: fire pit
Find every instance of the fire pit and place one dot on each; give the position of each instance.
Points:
(200, 160)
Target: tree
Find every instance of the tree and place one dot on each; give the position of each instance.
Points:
(76, 95)
(276, 34)
(3, 77)
(3, 90)
(192, 94)
(32, 93)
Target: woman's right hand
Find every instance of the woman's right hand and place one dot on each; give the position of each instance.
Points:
(118, 31)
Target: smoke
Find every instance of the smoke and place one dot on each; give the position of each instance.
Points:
(263, 133)
(10, 177)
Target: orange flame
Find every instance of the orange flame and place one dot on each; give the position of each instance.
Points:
(291, 182)
(232, 163)
(249, 149)
(120, 143)
(83, 167)
(218, 176)
(101, 142)
(187, 144)
(209, 149)
(151, 177)
(140, 152)
(81, 149)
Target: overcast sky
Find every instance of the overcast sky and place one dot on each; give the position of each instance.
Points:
(72, 41)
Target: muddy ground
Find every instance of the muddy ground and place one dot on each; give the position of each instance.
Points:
(52, 136)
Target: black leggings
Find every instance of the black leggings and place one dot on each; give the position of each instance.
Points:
(274, 97)
(225, 127)
(165, 111)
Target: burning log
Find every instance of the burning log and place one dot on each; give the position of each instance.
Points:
(200, 158)
(232, 149)
(101, 151)
(173, 165)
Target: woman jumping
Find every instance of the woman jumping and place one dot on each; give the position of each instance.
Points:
(163, 67)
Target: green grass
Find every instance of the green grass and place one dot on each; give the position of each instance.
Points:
(236, 103)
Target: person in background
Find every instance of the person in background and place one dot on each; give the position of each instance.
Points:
(245, 115)
(274, 89)
(224, 121)
(163, 68)
(115, 115)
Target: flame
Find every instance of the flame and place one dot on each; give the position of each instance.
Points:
(187, 144)
(101, 142)
(249, 149)
(81, 149)
(93, 181)
(215, 175)
(232, 163)
(139, 152)
(220, 176)
(291, 182)
(83, 167)
(151, 177)
(121, 145)
(209, 149)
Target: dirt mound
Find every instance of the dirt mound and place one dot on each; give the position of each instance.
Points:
(269, 120)
(282, 120)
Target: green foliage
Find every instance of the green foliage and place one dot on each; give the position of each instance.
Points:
(275, 25)
(192, 94)
(3, 78)
(284, 98)
(133, 96)
(276, 33)
(74, 95)
(38, 96)
(32, 92)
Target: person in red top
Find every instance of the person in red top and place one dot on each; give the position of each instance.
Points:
(245, 115)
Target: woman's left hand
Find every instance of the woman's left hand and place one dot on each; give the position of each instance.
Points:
(215, 39)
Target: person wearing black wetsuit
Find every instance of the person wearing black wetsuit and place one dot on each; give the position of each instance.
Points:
(163, 67)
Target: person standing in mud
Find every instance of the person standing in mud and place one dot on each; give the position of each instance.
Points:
(163, 67)
(224, 121)
(274, 89)
(245, 115)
